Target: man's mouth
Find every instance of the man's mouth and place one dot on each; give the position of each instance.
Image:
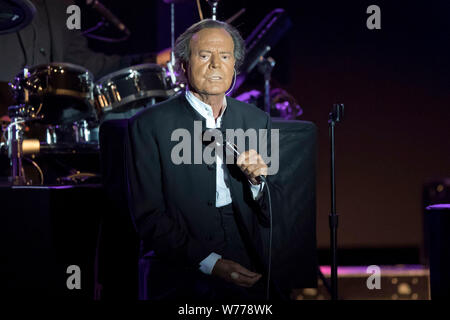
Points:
(215, 78)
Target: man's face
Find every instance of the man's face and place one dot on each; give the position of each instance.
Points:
(211, 64)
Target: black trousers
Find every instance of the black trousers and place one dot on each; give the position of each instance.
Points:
(169, 282)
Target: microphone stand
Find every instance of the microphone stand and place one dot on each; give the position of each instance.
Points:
(265, 66)
(334, 117)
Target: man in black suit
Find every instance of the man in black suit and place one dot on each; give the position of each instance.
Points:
(201, 221)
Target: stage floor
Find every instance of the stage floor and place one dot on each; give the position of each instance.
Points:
(395, 282)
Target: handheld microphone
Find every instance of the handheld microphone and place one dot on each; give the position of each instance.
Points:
(108, 15)
(233, 149)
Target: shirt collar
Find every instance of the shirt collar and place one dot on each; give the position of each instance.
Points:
(204, 109)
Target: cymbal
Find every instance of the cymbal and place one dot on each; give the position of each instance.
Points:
(15, 15)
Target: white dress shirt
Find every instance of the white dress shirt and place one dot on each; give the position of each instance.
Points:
(223, 194)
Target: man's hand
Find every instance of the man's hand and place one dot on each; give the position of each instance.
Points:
(234, 272)
(252, 165)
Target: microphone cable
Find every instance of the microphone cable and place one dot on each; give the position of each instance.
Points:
(269, 265)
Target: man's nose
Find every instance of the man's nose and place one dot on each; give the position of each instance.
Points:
(215, 61)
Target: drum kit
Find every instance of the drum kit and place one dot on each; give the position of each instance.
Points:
(59, 108)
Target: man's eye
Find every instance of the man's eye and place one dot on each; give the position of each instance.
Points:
(225, 57)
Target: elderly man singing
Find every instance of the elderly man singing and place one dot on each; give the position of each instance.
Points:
(201, 222)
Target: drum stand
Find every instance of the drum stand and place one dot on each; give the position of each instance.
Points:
(15, 138)
(81, 129)
(17, 146)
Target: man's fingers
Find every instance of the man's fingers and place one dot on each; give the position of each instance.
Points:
(257, 169)
(253, 158)
(250, 168)
(248, 157)
(244, 271)
(260, 171)
(253, 171)
(234, 272)
(245, 281)
(242, 159)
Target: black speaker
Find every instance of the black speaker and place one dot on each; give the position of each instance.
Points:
(438, 223)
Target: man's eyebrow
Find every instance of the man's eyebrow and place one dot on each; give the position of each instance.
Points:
(209, 51)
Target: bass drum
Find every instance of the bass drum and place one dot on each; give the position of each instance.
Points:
(55, 93)
(131, 88)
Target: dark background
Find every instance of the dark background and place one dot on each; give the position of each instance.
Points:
(394, 83)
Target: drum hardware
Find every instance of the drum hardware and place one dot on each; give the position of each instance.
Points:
(17, 146)
(171, 63)
(26, 112)
(119, 90)
(59, 95)
(213, 4)
(172, 33)
(77, 177)
(39, 170)
(51, 137)
(55, 93)
(171, 73)
(15, 151)
(82, 133)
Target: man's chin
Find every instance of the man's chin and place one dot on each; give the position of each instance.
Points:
(215, 92)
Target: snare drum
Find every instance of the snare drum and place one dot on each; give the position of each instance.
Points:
(131, 87)
(56, 92)
(68, 138)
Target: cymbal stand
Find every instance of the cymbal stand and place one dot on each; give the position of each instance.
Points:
(213, 4)
(171, 63)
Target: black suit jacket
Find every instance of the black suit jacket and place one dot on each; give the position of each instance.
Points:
(173, 206)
